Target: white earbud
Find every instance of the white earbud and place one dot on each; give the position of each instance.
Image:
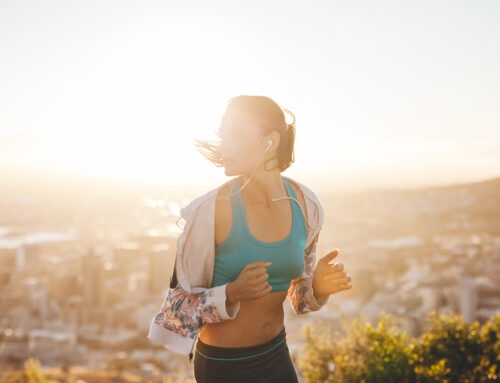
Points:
(269, 143)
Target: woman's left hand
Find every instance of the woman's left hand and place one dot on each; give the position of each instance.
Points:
(330, 278)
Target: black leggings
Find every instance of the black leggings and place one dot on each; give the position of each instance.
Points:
(268, 362)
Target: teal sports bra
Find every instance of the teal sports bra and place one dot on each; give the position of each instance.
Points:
(241, 247)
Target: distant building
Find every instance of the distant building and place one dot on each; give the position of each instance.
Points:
(468, 298)
(94, 291)
(479, 299)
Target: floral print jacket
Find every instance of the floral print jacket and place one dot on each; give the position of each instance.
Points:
(192, 302)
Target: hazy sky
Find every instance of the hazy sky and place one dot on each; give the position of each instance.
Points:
(385, 93)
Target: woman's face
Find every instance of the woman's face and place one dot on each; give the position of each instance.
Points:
(242, 142)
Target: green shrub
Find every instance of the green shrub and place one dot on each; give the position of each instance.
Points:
(467, 352)
(448, 351)
(366, 355)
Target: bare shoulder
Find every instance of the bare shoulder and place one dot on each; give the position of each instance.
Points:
(300, 197)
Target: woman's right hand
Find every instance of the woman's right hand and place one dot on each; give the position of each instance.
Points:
(250, 284)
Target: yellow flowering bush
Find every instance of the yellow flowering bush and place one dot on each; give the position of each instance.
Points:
(449, 350)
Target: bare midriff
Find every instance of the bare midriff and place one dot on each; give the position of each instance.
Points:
(256, 322)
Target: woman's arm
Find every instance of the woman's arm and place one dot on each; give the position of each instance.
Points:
(300, 292)
(183, 312)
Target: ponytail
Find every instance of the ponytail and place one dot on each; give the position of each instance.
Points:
(285, 151)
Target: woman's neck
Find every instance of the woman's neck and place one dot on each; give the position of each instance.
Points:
(263, 187)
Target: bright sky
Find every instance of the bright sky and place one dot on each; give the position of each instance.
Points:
(385, 93)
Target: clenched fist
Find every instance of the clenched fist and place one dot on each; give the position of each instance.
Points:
(250, 284)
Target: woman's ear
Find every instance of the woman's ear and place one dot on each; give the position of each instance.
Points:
(275, 137)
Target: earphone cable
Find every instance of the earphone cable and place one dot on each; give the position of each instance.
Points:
(273, 199)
